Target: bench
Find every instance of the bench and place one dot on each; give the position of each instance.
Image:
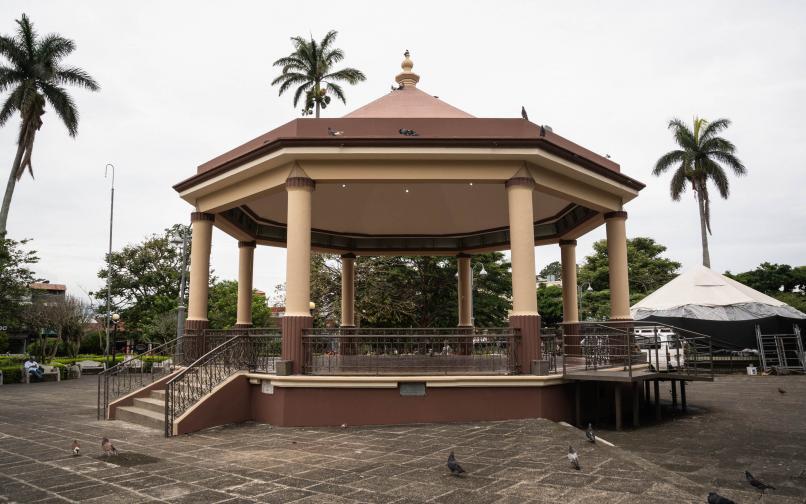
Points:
(90, 365)
(46, 371)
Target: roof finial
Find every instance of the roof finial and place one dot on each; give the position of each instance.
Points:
(407, 78)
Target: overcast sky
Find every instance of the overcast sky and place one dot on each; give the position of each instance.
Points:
(185, 81)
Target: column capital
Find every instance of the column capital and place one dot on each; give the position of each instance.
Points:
(300, 182)
(521, 181)
(247, 244)
(568, 243)
(621, 214)
(201, 216)
(348, 255)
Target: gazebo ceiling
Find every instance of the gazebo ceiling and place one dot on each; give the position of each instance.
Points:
(408, 172)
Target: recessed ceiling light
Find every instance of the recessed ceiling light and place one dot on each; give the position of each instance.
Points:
(344, 185)
(471, 183)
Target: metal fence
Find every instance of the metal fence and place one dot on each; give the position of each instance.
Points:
(369, 351)
(136, 372)
(658, 348)
(255, 350)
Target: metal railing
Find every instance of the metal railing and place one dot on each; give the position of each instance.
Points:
(136, 372)
(659, 348)
(371, 351)
(551, 347)
(254, 350)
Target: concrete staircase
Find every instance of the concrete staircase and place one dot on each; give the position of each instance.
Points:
(146, 411)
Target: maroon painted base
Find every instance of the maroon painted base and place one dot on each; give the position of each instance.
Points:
(529, 349)
(292, 328)
(300, 407)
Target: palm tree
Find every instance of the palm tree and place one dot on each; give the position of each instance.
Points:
(35, 75)
(700, 158)
(310, 68)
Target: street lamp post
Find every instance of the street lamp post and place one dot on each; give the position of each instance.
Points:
(180, 309)
(579, 295)
(483, 273)
(109, 257)
(115, 319)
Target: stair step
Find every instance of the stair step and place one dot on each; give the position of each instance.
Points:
(158, 394)
(141, 416)
(150, 403)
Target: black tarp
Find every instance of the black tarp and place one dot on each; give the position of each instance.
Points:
(733, 335)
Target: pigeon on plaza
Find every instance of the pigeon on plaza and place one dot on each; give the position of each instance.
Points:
(76, 448)
(573, 458)
(109, 448)
(781, 391)
(760, 485)
(715, 498)
(523, 113)
(332, 132)
(590, 434)
(454, 466)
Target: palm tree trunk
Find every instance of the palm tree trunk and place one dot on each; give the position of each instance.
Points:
(706, 256)
(316, 98)
(12, 182)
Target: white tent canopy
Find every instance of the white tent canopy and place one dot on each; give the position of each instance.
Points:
(701, 293)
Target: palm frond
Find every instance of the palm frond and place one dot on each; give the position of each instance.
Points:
(333, 56)
(731, 161)
(335, 89)
(667, 160)
(300, 90)
(11, 49)
(327, 40)
(292, 61)
(716, 144)
(12, 104)
(717, 175)
(27, 35)
(289, 80)
(10, 76)
(682, 134)
(76, 77)
(53, 48)
(678, 184)
(63, 104)
(713, 128)
(350, 75)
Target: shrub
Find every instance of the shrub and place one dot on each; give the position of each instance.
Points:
(12, 374)
(3, 342)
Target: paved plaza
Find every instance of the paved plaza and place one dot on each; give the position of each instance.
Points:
(734, 424)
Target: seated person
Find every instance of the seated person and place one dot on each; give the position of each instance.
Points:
(33, 368)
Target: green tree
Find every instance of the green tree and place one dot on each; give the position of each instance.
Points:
(550, 304)
(769, 278)
(699, 159)
(647, 269)
(145, 280)
(553, 269)
(223, 307)
(15, 278)
(36, 76)
(411, 291)
(310, 68)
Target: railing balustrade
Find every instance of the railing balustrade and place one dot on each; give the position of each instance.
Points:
(407, 351)
(255, 350)
(136, 372)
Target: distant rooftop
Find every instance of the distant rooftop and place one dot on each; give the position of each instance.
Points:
(48, 286)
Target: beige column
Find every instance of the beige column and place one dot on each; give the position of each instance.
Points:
(201, 240)
(246, 259)
(568, 257)
(617, 262)
(348, 290)
(465, 293)
(298, 247)
(522, 245)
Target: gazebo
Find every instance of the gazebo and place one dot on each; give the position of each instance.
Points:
(407, 174)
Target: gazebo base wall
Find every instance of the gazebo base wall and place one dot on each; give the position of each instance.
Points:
(312, 407)
(529, 351)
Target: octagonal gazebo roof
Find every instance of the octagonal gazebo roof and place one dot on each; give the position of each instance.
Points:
(408, 173)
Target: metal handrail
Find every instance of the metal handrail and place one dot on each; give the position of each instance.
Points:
(234, 354)
(124, 366)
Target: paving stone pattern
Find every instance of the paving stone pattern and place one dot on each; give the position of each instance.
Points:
(507, 462)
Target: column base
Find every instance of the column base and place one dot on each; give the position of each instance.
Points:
(529, 349)
(195, 325)
(292, 327)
